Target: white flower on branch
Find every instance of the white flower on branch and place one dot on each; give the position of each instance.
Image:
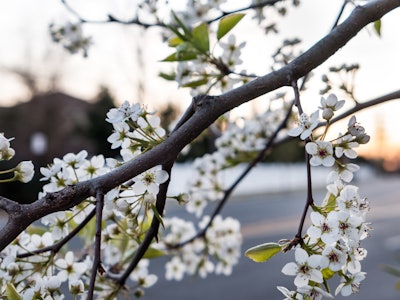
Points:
(345, 145)
(125, 112)
(305, 268)
(350, 284)
(69, 268)
(306, 125)
(330, 105)
(70, 35)
(322, 153)
(24, 171)
(149, 181)
(324, 228)
(6, 152)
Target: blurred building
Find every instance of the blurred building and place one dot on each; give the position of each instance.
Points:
(51, 125)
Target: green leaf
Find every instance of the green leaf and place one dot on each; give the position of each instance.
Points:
(263, 252)
(175, 41)
(180, 56)
(331, 203)
(153, 253)
(227, 23)
(196, 83)
(12, 293)
(166, 76)
(177, 32)
(200, 38)
(157, 215)
(377, 27)
(327, 273)
(181, 24)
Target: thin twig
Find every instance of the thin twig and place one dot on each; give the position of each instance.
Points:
(151, 233)
(57, 246)
(136, 21)
(309, 200)
(228, 192)
(96, 267)
(345, 2)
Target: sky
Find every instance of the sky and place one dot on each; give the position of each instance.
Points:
(113, 60)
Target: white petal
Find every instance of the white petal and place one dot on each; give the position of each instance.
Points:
(338, 152)
(316, 275)
(161, 176)
(316, 218)
(314, 260)
(315, 161)
(314, 232)
(311, 148)
(331, 100)
(301, 256)
(290, 269)
(350, 153)
(328, 161)
(301, 280)
(295, 131)
(139, 187)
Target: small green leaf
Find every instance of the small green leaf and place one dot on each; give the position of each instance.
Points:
(331, 203)
(180, 56)
(181, 24)
(327, 273)
(153, 253)
(157, 215)
(175, 41)
(166, 76)
(377, 27)
(200, 38)
(195, 83)
(263, 252)
(227, 23)
(12, 293)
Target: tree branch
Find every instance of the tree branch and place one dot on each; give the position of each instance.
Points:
(211, 109)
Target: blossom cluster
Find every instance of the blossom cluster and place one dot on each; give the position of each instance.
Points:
(217, 73)
(240, 142)
(332, 244)
(128, 212)
(218, 248)
(216, 251)
(23, 172)
(71, 37)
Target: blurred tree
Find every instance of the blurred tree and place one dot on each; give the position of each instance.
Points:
(98, 130)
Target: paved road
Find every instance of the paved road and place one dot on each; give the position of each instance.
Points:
(272, 217)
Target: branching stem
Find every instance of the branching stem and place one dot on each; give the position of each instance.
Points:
(57, 246)
(96, 267)
(228, 192)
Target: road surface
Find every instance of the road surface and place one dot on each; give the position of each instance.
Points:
(268, 218)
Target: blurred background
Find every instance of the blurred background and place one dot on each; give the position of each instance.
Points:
(54, 103)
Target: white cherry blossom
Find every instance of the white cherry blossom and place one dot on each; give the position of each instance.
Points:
(322, 153)
(324, 228)
(69, 268)
(305, 268)
(175, 269)
(149, 181)
(350, 284)
(24, 171)
(330, 105)
(333, 258)
(306, 125)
